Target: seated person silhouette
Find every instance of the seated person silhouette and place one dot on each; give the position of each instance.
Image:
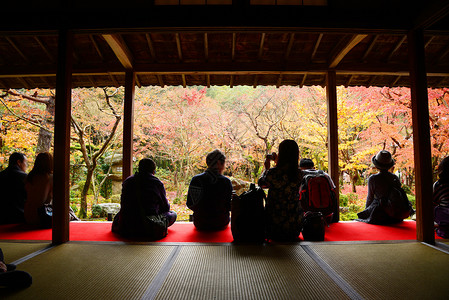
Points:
(210, 195)
(441, 199)
(12, 185)
(386, 202)
(12, 278)
(329, 205)
(143, 194)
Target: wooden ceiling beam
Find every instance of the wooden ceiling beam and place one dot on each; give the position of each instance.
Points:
(120, 49)
(234, 41)
(184, 82)
(138, 81)
(178, 46)
(349, 81)
(114, 80)
(396, 47)
(11, 42)
(395, 81)
(432, 14)
(151, 47)
(315, 47)
(370, 47)
(92, 81)
(341, 51)
(231, 82)
(160, 80)
(206, 48)
(208, 80)
(262, 41)
(303, 80)
(97, 49)
(24, 82)
(279, 82)
(289, 46)
(50, 57)
(256, 78)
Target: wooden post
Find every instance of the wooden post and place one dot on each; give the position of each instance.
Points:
(332, 134)
(128, 124)
(421, 138)
(61, 197)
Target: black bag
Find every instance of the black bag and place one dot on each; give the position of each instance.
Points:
(397, 205)
(45, 214)
(247, 216)
(313, 228)
(155, 227)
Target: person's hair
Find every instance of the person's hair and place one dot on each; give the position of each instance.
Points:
(147, 165)
(443, 169)
(15, 157)
(306, 163)
(213, 157)
(42, 165)
(288, 158)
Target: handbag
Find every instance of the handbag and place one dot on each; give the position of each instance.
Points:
(45, 214)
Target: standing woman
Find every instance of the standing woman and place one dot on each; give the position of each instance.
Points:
(283, 210)
(441, 199)
(39, 187)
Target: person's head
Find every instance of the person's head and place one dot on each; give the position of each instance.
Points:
(443, 169)
(383, 160)
(147, 165)
(215, 160)
(288, 154)
(42, 165)
(18, 159)
(306, 164)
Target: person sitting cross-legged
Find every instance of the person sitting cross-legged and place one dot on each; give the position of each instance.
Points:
(12, 278)
(143, 195)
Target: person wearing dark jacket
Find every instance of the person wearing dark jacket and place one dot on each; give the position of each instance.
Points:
(441, 199)
(12, 185)
(210, 195)
(143, 194)
(380, 187)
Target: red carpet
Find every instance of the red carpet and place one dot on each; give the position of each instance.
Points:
(186, 232)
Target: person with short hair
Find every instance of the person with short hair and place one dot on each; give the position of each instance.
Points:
(143, 194)
(12, 186)
(441, 199)
(379, 188)
(210, 194)
(283, 210)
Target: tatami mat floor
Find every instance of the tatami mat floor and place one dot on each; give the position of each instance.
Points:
(115, 270)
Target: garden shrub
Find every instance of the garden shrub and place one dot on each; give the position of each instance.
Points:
(344, 200)
(96, 211)
(74, 208)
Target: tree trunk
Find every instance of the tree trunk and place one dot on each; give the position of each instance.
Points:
(83, 210)
(44, 141)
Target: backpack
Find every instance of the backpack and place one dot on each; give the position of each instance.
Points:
(397, 205)
(313, 227)
(247, 216)
(316, 193)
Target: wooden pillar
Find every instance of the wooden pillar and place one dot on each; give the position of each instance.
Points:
(332, 135)
(61, 197)
(421, 138)
(128, 124)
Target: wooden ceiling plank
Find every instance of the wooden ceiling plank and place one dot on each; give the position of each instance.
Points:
(160, 80)
(341, 53)
(429, 41)
(231, 82)
(401, 41)
(92, 39)
(92, 81)
(370, 47)
(349, 81)
(317, 44)
(178, 46)
(395, 81)
(114, 80)
(44, 79)
(206, 47)
(50, 57)
(150, 46)
(442, 54)
(303, 80)
(138, 81)
(208, 80)
(289, 46)
(372, 79)
(120, 49)
(279, 82)
(233, 46)
(24, 82)
(11, 42)
(262, 41)
(184, 83)
(432, 14)
(256, 78)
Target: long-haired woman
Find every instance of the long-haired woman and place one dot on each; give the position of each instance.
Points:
(283, 209)
(39, 187)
